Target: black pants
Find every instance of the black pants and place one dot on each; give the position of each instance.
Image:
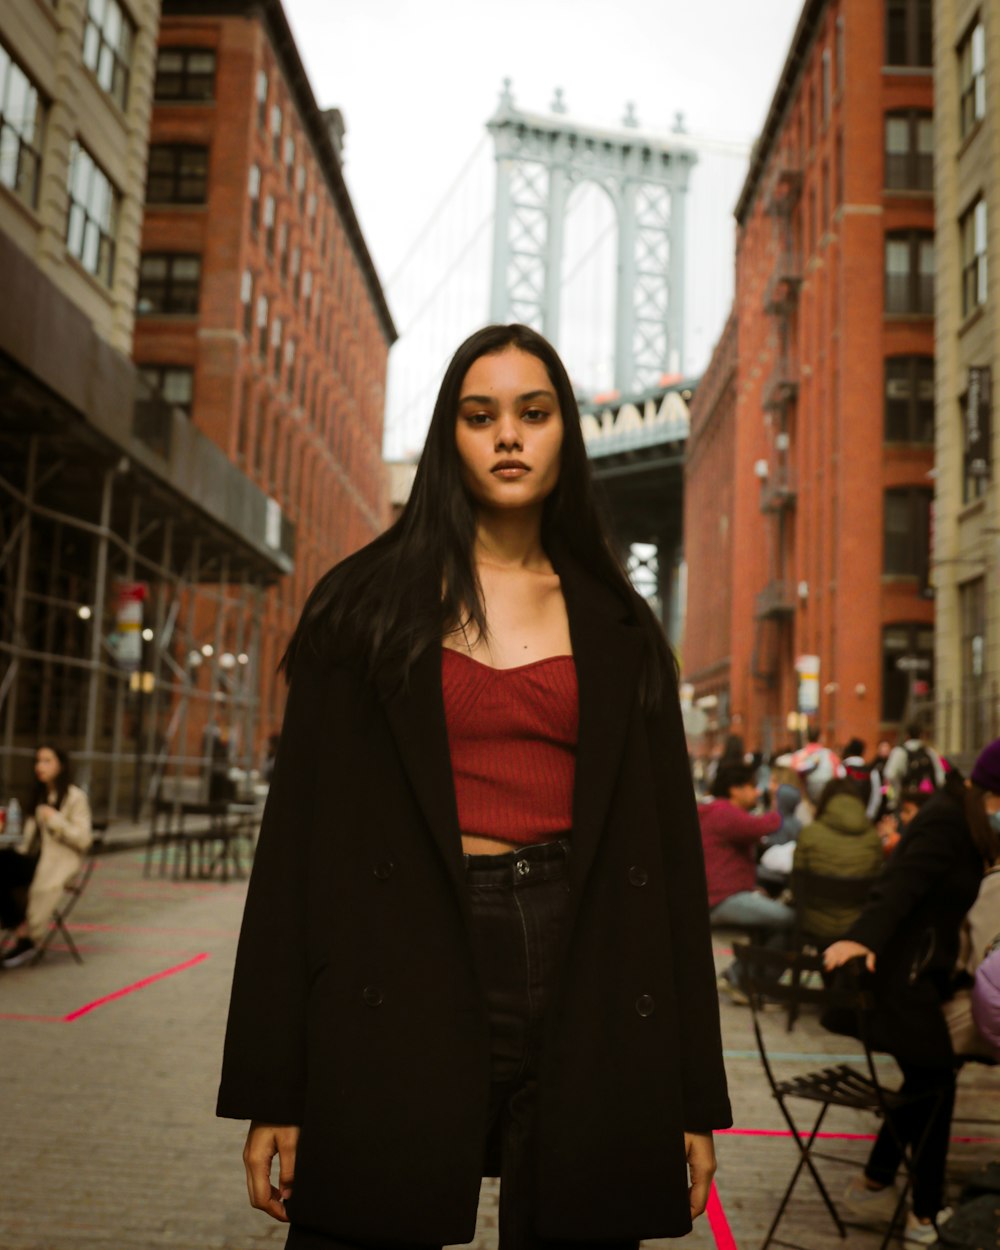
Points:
(16, 873)
(518, 904)
(926, 1115)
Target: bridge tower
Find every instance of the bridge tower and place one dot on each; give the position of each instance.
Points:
(539, 159)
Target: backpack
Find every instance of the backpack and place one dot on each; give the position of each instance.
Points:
(919, 774)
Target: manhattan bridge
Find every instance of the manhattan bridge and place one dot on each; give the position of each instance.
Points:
(588, 235)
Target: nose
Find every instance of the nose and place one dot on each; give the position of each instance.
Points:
(508, 436)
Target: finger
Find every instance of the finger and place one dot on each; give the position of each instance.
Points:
(870, 961)
(701, 1187)
(286, 1166)
(263, 1194)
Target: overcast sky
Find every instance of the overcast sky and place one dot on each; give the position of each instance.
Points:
(418, 79)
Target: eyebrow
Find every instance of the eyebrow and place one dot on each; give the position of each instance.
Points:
(520, 399)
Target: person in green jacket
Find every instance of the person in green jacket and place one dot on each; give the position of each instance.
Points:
(840, 842)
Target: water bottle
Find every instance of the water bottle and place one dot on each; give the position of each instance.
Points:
(13, 823)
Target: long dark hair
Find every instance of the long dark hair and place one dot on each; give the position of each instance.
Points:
(417, 581)
(61, 784)
(970, 797)
(835, 786)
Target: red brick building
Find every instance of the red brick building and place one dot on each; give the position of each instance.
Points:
(829, 429)
(259, 309)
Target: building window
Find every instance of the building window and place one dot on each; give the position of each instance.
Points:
(972, 611)
(168, 283)
(296, 272)
(276, 129)
(108, 37)
(253, 191)
(93, 215)
(174, 382)
(269, 212)
(972, 67)
(909, 151)
(300, 187)
(261, 325)
(839, 50)
(909, 399)
(908, 33)
(22, 122)
(185, 74)
(246, 299)
(976, 414)
(289, 158)
(909, 272)
(973, 230)
(276, 329)
(907, 669)
(826, 85)
(283, 251)
(177, 174)
(261, 98)
(907, 532)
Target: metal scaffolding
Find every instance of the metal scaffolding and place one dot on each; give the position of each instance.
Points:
(188, 707)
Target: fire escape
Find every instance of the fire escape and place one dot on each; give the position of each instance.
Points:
(774, 606)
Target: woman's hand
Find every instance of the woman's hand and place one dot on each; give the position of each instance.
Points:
(839, 953)
(700, 1151)
(264, 1141)
(45, 811)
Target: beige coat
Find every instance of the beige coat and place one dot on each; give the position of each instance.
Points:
(65, 839)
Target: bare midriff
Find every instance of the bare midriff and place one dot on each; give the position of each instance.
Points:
(473, 845)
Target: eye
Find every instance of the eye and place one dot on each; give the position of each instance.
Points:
(535, 414)
(477, 418)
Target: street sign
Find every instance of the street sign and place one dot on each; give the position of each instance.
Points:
(913, 664)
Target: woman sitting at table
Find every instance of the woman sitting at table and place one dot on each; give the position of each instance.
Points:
(57, 834)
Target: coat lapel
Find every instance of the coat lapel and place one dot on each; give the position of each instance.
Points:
(608, 650)
(416, 718)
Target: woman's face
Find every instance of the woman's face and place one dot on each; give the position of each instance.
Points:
(47, 766)
(991, 802)
(509, 431)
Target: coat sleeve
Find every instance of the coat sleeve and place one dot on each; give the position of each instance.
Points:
(910, 874)
(263, 1067)
(703, 1075)
(71, 824)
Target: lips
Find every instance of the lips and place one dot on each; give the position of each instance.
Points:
(510, 468)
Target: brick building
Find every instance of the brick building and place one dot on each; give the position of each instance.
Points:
(833, 415)
(113, 508)
(259, 310)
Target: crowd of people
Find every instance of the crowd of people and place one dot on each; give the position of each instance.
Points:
(927, 842)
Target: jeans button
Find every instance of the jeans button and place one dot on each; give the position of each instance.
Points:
(372, 996)
(645, 1004)
(384, 869)
(523, 867)
(637, 876)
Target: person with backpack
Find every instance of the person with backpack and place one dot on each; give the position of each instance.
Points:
(914, 765)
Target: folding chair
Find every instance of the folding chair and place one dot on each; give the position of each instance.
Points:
(839, 1086)
(73, 891)
(815, 889)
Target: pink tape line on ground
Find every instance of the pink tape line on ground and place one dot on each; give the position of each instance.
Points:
(131, 989)
(717, 1222)
(784, 1132)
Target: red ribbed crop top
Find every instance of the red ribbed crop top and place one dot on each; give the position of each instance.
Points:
(512, 735)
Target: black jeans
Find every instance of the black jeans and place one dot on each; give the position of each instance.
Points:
(911, 1123)
(518, 902)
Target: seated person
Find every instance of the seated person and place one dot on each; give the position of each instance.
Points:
(979, 928)
(775, 867)
(57, 834)
(731, 837)
(840, 842)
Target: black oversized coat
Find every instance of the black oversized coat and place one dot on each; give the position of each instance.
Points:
(357, 1012)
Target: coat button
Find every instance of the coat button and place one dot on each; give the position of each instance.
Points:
(372, 996)
(637, 875)
(645, 1004)
(384, 870)
(523, 867)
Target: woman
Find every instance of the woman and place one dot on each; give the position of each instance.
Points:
(908, 935)
(476, 939)
(840, 842)
(57, 834)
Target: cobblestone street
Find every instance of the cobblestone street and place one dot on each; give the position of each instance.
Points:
(110, 1069)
